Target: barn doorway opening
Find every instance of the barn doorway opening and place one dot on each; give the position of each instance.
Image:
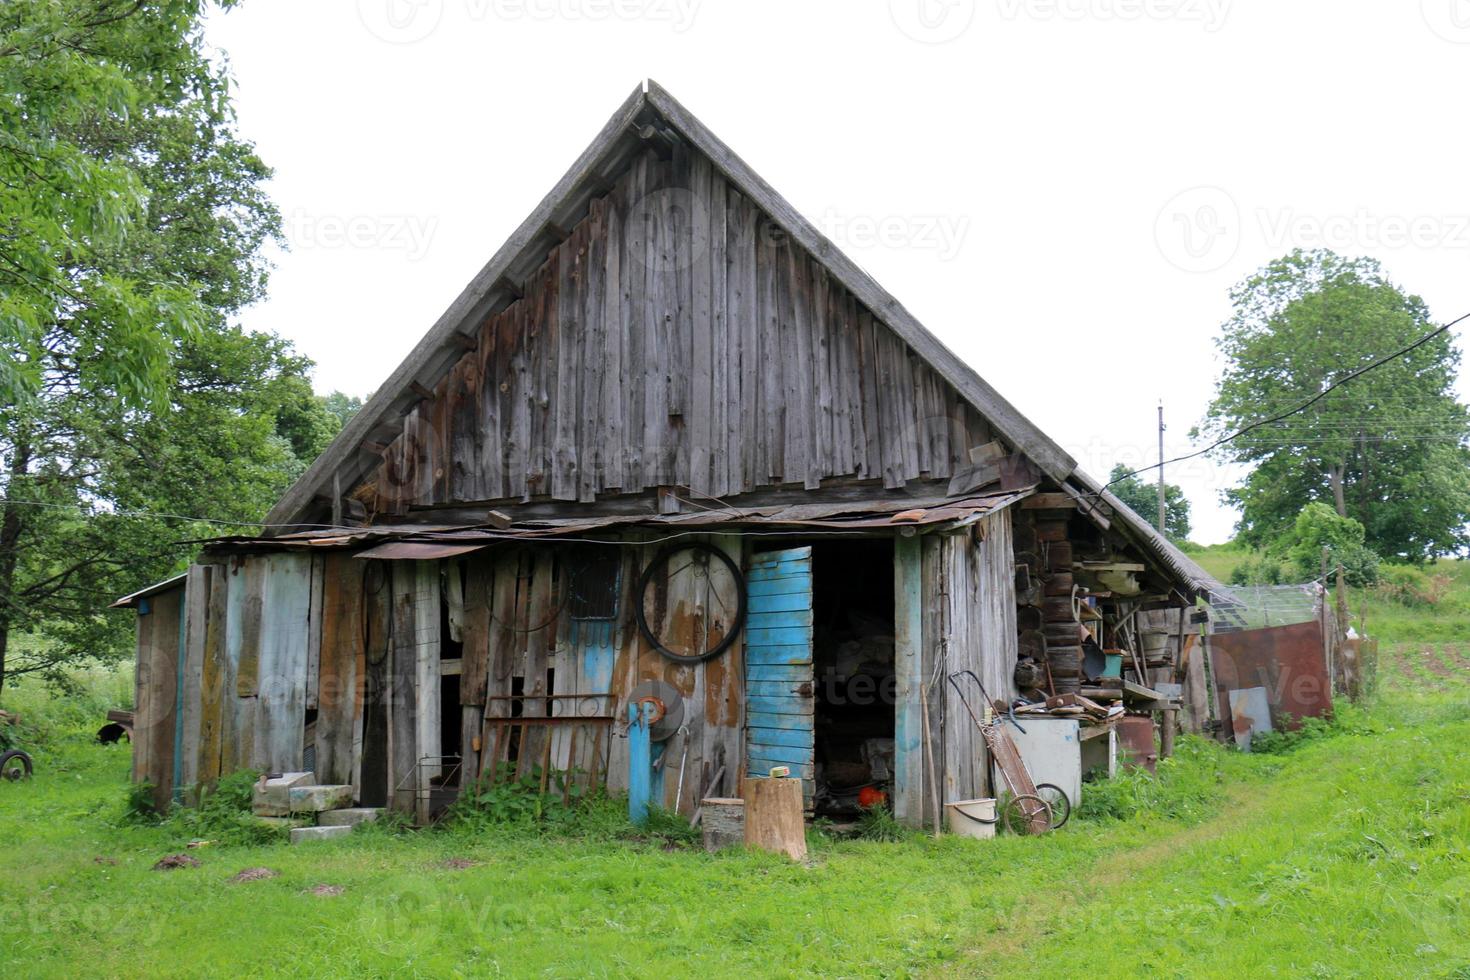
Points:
(854, 676)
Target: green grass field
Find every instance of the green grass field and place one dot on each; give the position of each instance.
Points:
(1348, 855)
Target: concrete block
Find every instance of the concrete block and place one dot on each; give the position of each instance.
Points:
(271, 795)
(302, 834)
(349, 817)
(282, 823)
(315, 799)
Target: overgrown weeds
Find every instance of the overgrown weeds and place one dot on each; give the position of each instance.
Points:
(878, 823)
(1187, 787)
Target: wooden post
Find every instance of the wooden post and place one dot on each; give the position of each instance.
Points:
(1166, 732)
(1346, 684)
(773, 816)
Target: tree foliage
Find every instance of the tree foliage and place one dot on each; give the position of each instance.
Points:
(79, 77)
(1143, 498)
(1387, 449)
(130, 399)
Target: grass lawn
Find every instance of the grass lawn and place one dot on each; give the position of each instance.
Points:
(1348, 855)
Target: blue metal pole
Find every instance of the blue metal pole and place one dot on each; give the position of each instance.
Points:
(640, 763)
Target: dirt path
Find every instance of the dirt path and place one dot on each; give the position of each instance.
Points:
(1242, 804)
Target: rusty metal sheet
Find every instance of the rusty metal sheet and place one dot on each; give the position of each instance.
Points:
(1288, 661)
(1136, 739)
(418, 550)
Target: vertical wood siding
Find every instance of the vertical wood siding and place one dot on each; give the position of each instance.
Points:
(969, 582)
(677, 336)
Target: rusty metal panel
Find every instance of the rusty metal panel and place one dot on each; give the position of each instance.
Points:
(1288, 661)
(418, 550)
(1136, 733)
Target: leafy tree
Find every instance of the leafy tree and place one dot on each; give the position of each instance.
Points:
(135, 398)
(1143, 498)
(1387, 449)
(76, 75)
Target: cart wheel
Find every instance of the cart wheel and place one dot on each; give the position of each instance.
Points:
(1026, 814)
(15, 765)
(1059, 801)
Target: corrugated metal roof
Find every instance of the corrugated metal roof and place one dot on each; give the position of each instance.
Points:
(131, 600)
(418, 541)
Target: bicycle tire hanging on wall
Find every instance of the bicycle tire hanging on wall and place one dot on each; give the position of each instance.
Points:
(701, 561)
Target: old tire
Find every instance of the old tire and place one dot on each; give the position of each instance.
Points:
(15, 765)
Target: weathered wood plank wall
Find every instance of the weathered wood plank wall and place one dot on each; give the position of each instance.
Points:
(156, 693)
(676, 337)
(969, 584)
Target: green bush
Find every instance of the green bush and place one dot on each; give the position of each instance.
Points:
(1260, 569)
(222, 815)
(1319, 527)
(1413, 587)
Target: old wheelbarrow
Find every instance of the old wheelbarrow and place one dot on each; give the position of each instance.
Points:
(1030, 808)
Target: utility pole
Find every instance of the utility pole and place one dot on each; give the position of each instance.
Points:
(1161, 466)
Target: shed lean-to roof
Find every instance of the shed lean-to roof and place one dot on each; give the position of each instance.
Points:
(496, 286)
(445, 541)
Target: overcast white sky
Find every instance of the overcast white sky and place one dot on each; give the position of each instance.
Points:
(1062, 190)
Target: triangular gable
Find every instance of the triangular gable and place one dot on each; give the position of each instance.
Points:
(474, 341)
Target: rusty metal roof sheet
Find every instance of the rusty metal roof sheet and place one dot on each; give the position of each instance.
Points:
(131, 599)
(421, 541)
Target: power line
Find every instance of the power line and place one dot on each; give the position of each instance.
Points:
(1293, 411)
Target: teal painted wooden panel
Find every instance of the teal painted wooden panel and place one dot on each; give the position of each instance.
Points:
(778, 655)
(785, 601)
(768, 688)
(763, 641)
(762, 767)
(788, 704)
(778, 619)
(779, 754)
(777, 585)
(797, 738)
(790, 674)
(909, 791)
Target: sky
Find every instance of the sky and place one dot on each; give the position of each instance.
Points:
(1063, 191)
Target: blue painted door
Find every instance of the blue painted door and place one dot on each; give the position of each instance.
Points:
(778, 665)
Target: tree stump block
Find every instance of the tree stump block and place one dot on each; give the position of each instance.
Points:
(723, 823)
(774, 819)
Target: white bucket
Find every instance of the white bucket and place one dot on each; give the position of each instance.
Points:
(971, 818)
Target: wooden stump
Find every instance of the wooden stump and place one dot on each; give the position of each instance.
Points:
(723, 823)
(773, 816)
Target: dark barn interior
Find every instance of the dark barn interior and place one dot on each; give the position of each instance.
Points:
(853, 660)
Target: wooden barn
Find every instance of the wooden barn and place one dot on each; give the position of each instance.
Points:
(669, 444)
